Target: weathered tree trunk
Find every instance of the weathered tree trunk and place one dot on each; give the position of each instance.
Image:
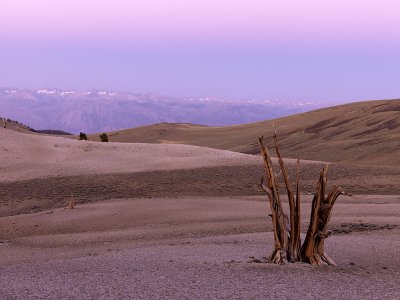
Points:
(278, 217)
(287, 230)
(312, 250)
(296, 218)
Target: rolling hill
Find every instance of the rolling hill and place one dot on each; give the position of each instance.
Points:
(362, 133)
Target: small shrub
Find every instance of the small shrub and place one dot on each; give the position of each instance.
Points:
(82, 136)
(104, 137)
(71, 202)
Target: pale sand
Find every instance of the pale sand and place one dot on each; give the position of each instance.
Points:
(25, 156)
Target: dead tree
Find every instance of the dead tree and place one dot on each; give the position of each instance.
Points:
(288, 246)
(312, 250)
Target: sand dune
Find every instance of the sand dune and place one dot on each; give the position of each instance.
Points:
(25, 156)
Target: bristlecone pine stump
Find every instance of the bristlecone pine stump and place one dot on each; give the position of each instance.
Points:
(288, 246)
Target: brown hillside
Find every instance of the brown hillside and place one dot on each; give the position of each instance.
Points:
(363, 132)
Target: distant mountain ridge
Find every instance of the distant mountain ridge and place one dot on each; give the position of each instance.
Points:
(100, 110)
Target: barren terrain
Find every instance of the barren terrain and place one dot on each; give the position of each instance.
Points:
(362, 133)
(177, 221)
(194, 247)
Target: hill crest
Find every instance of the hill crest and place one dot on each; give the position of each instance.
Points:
(363, 132)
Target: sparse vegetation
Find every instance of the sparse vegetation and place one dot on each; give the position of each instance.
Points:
(82, 136)
(19, 126)
(288, 246)
(104, 137)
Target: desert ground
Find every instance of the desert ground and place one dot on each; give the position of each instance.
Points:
(168, 221)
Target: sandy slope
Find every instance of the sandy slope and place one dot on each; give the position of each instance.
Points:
(24, 156)
(362, 132)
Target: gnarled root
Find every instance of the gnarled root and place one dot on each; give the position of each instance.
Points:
(327, 260)
(278, 256)
(320, 260)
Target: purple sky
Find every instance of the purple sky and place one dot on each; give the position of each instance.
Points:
(307, 50)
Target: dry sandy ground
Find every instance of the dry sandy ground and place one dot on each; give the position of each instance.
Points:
(194, 247)
(173, 221)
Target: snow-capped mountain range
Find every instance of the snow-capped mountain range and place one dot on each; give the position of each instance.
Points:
(100, 110)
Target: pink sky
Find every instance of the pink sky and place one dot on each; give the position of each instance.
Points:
(304, 49)
(149, 20)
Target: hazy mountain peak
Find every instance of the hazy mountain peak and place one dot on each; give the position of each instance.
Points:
(101, 110)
